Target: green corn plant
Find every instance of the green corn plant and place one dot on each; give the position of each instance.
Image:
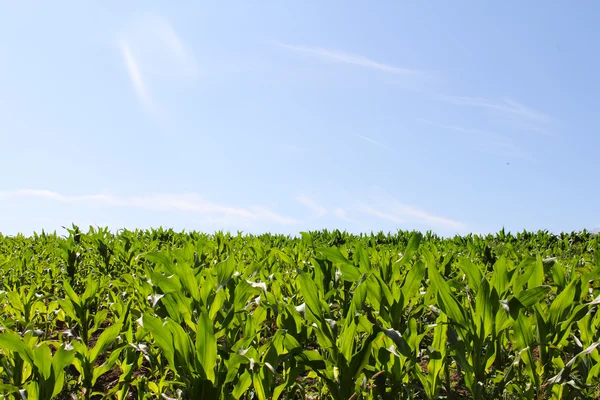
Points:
(476, 330)
(589, 326)
(71, 254)
(37, 373)
(86, 358)
(193, 362)
(132, 357)
(347, 340)
(189, 347)
(80, 309)
(507, 316)
(23, 304)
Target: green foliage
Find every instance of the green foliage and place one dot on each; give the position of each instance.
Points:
(164, 314)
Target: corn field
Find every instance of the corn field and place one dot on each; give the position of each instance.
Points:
(159, 314)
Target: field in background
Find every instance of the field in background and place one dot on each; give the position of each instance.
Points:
(161, 314)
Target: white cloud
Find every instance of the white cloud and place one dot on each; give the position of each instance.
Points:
(47, 194)
(526, 117)
(317, 209)
(488, 142)
(348, 58)
(343, 215)
(399, 213)
(185, 203)
(381, 214)
(506, 105)
(421, 215)
(457, 128)
(152, 52)
(135, 75)
(340, 213)
(373, 141)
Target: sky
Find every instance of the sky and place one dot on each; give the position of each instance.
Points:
(279, 116)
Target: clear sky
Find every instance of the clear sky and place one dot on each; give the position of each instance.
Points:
(281, 116)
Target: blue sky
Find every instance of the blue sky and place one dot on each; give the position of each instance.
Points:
(454, 117)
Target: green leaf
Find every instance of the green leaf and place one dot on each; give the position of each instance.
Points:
(411, 248)
(8, 388)
(527, 266)
(359, 297)
(334, 255)
(360, 360)
(558, 276)
(499, 279)
(105, 339)
(385, 290)
(233, 367)
(106, 365)
(62, 358)
(13, 342)
(374, 293)
(346, 340)
(310, 294)
(217, 304)
(307, 238)
(242, 385)
(562, 303)
(161, 259)
(529, 297)
(188, 280)
(167, 284)
(284, 257)
(537, 277)
(183, 345)
(91, 288)
(42, 357)
(438, 357)
(71, 293)
(162, 338)
(524, 339)
(472, 272)
(242, 293)
(259, 388)
(484, 315)
(349, 271)
(225, 270)
(206, 346)
(412, 282)
(448, 303)
(290, 343)
(363, 259)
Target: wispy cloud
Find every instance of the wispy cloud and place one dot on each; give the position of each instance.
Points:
(185, 203)
(317, 209)
(457, 128)
(151, 51)
(348, 58)
(400, 213)
(508, 106)
(135, 75)
(381, 214)
(487, 142)
(342, 214)
(526, 117)
(424, 216)
(373, 141)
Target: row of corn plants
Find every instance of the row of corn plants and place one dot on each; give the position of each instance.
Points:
(159, 314)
